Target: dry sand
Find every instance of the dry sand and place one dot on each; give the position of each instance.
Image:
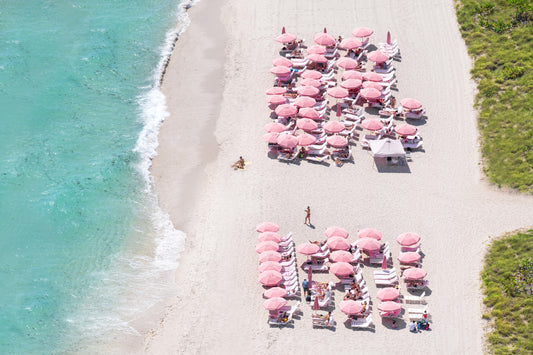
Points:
(215, 84)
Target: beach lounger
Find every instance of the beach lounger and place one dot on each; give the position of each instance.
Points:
(389, 282)
(322, 323)
(299, 62)
(417, 287)
(315, 267)
(385, 277)
(317, 158)
(363, 322)
(418, 312)
(385, 272)
(414, 115)
(415, 299)
(288, 157)
(415, 249)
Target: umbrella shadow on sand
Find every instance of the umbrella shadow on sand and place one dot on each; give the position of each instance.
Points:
(388, 323)
(400, 166)
(348, 325)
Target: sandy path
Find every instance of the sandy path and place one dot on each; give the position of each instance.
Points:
(441, 196)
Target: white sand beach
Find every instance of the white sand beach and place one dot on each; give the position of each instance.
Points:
(215, 87)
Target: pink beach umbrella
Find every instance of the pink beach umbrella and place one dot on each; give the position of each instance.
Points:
(338, 243)
(337, 141)
(352, 74)
(338, 113)
(351, 84)
(368, 244)
(306, 139)
(287, 140)
(372, 84)
(409, 257)
(389, 40)
(350, 307)
(275, 292)
(377, 56)
(372, 76)
(351, 43)
(389, 307)
(282, 61)
(274, 303)
(335, 231)
(286, 110)
(347, 63)
(269, 256)
(276, 90)
(270, 278)
(408, 239)
(333, 127)
(370, 93)
(306, 124)
(338, 92)
(309, 112)
(304, 101)
(311, 82)
(269, 265)
(341, 256)
(280, 70)
(324, 38)
(307, 91)
(372, 124)
(285, 37)
(311, 74)
(405, 130)
(307, 248)
(266, 246)
(362, 32)
(310, 275)
(317, 58)
(316, 50)
(316, 305)
(341, 269)
(276, 99)
(388, 294)
(275, 127)
(370, 233)
(267, 227)
(414, 274)
(269, 236)
(411, 104)
(271, 137)
(384, 263)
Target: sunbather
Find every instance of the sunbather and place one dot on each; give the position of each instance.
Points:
(239, 164)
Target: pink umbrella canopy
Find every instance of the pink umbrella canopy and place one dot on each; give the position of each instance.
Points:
(271, 137)
(377, 56)
(407, 239)
(311, 82)
(370, 93)
(306, 124)
(372, 76)
(372, 124)
(270, 278)
(280, 70)
(282, 61)
(351, 43)
(361, 32)
(274, 303)
(276, 90)
(341, 256)
(337, 141)
(405, 130)
(266, 246)
(351, 307)
(287, 140)
(267, 227)
(269, 256)
(388, 294)
(341, 269)
(389, 306)
(305, 101)
(370, 233)
(311, 74)
(270, 265)
(372, 84)
(409, 257)
(276, 99)
(352, 74)
(414, 274)
(285, 37)
(306, 139)
(338, 243)
(316, 50)
(333, 127)
(338, 92)
(411, 104)
(317, 58)
(307, 248)
(324, 39)
(286, 110)
(275, 127)
(351, 84)
(275, 292)
(335, 231)
(347, 63)
(309, 112)
(368, 244)
(307, 91)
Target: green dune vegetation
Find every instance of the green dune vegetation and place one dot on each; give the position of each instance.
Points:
(508, 287)
(499, 36)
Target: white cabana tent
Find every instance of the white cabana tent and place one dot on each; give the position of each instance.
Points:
(383, 148)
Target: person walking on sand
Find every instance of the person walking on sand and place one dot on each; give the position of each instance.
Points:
(307, 216)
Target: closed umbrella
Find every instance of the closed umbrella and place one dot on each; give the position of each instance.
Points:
(275, 303)
(408, 239)
(414, 274)
(316, 305)
(388, 294)
(275, 292)
(370, 233)
(384, 263)
(270, 278)
(267, 227)
(337, 141)
(409, 257)
(335, 231)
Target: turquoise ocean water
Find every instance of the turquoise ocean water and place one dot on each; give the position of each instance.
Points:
(84, 247)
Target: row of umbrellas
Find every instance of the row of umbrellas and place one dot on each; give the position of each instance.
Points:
(325, 39)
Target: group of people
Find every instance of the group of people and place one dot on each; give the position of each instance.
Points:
(423, 323)
(354, 293)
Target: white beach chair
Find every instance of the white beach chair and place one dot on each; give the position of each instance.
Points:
(363, 323)
(389, 282)
(415, 299)
(317, 158)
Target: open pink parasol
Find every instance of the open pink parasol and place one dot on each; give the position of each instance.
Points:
(408, 239)
(372, 124)
(282, 61)
(347, 63)
(286, 110)
(341, 256)
(269, 256)
(370, 93)
(276, 99)
(267, 227)
(311, 82)
(287, 140)
(372, 76)
(351, 307)
(274, 303)
(306, 124)
(335, 231)
(368, 244)
(337, 141)
(271, 137)
(338, 92)
(316, 50)
(351, 84)
(409, 257)
(388, 294)
(270, 278)
(389, 307)
(338, 243)
(266, 246)
(275, 292)
(372, 84)
(306, 139)
(276, 90)
(341, 269)
(307, 91)
(304, 101)
(309, 112)
(280, 70)
(377, 56)
(307, 248)
(317, 58)
(270, 265)
(311, 74)
(275, 127)
(333, 127)
(370, 233)
(414, 274)
(361, 32)
(405, 130)
(352, 74)
(350, 43)
(411, 104)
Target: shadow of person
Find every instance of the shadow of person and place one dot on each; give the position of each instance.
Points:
(312, 226)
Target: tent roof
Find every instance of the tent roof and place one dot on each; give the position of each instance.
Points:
(387, 148)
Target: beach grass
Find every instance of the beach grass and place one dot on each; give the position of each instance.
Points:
(507, 283)
(499, 34)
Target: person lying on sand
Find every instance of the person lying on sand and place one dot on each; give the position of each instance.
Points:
(239, 164)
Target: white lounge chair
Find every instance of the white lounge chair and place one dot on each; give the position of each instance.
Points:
(415, 115)
(385, 277)
(288, 157)
(385, 272)
(418, 310)
(363, 322)
(415, 299)
(322, 323)
(389, 282)
(317, 158)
